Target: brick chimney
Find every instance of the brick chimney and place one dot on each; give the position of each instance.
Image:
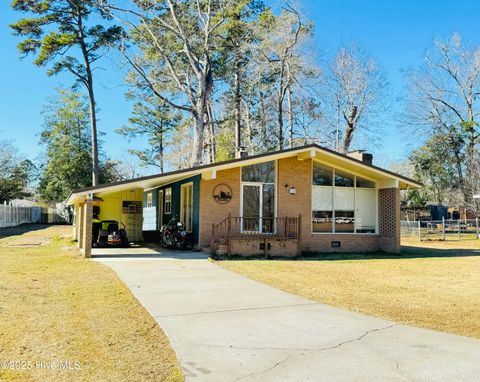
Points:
(362, 156)
(241, 153)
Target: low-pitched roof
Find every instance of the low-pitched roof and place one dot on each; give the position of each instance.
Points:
(331, 157)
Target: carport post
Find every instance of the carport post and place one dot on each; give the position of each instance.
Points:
(80, 226)
(443, 228)
(87, 226)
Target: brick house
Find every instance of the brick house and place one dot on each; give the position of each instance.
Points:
(305, 199)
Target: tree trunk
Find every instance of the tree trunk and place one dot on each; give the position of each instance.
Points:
(211, 132)
(280, 122)
(198, 139)
(349, 129)
(205, 84)
(290, 116)
(161, 157)
(263, 124)
(249, 127)
(237, 105)
(91, 97)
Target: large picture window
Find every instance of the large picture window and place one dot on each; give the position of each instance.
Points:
(342, 202)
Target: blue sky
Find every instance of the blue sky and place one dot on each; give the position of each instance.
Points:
(396, 33)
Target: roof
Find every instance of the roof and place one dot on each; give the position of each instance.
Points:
(312, 150)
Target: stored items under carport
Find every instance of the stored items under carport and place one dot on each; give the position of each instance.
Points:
(106, 233)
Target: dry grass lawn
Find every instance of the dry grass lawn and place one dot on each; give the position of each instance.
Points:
(432, 285)
(56, 306)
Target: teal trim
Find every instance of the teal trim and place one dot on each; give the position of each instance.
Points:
(151, 222)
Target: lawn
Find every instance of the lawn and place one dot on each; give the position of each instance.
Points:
(57, 306)
(432, 285)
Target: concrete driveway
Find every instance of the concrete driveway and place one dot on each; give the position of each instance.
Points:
(225, 327)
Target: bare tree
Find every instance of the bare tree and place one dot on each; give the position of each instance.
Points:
(279, 63)
(355, 93)
(444, 99)
(174, 54)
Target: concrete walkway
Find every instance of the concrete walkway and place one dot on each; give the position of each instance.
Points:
(225, 327)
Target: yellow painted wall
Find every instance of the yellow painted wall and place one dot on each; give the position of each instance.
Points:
(111, 209)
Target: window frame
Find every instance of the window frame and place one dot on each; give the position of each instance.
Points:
(150, 199)
(167, 201)
(333, 186)
(260, 184)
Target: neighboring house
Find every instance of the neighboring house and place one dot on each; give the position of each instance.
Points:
(305, 199)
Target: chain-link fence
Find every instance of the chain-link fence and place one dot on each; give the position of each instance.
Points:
(465, 229)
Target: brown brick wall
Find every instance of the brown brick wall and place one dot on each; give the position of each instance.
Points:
(297, 173)
(274, 247)
(389, 219)
(348, 243)
(213, 212)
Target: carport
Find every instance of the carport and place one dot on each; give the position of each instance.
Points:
(129, 202)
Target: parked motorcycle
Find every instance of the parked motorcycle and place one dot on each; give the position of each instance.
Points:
(174, 235)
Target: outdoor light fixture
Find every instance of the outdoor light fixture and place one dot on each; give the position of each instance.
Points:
(291, 189)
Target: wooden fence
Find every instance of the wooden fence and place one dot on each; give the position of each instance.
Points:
(11, 216)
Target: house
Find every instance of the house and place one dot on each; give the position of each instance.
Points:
(303, 199)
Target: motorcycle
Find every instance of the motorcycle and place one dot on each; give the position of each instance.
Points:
(174, 235)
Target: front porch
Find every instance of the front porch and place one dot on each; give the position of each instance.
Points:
(249, 236)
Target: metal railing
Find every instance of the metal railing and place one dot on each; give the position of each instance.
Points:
(237, 227)
(445, 229)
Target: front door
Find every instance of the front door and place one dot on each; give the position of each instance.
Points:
(258, 204)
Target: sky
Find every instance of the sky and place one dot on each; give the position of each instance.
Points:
(395, 33)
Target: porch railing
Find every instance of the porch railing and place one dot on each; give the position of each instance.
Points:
(236, 227)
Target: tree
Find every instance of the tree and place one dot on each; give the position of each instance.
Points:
(156, 120)
(444, 103)
(66, 137)
(175, 55)
(51, 31)
(16, 173)
(355, 93)
(236, 52)
(434, 165)
(281, 65)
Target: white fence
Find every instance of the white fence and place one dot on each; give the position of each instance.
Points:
(11, 216)
(465, 229)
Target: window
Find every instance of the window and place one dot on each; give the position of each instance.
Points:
(342, 179)
(186, 203)
(149, 200)
(364, 183)
(322, 175)
(342, 202)
(259, 173)
(258, 198)
(322, 221)
(168, 201)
